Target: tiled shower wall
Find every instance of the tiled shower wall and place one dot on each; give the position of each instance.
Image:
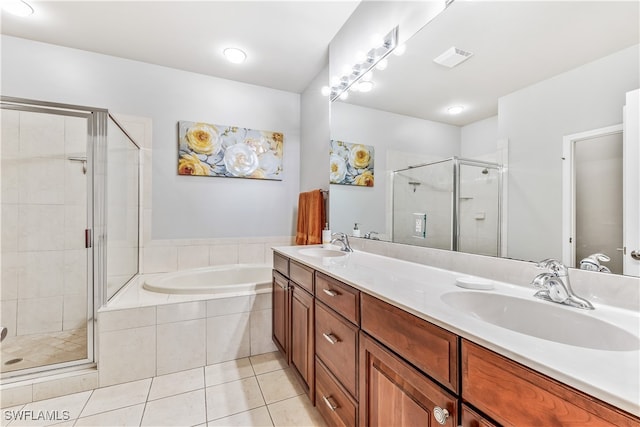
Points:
(44, 214)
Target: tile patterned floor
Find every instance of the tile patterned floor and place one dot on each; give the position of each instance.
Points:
(255, 391)
(43, 349)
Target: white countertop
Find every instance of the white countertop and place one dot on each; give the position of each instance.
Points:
(612, 376)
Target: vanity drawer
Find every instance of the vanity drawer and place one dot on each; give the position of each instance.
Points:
(281, 264)
(342, 298)
(513, 394)
(302, 275)
(333, 403)
(427, 346)
(337, 346)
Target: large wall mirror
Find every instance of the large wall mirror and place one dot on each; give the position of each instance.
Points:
(530, 166)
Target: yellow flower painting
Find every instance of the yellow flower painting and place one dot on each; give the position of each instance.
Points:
(350, 164)
(229, 151)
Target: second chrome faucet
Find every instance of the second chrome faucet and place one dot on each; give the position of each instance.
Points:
(555, 287)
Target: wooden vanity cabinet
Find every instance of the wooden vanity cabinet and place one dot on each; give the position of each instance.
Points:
(293, 318)
(337, 326)
(302, 342)
(280, 312)
(470, 418)
(393, 393)
(365, 362)
(430, 348)
(513, 394)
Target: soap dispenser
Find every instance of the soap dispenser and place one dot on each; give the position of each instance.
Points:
(356, 230)
(326, 236)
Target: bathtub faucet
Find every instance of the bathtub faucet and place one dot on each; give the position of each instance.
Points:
(343, 239)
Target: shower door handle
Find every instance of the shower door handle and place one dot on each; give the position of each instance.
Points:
(87, 238)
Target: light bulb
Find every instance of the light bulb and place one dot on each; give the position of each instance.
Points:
(344, 95)
(17, 8)
(234, 55)
(376, 40)
(326, 91)
(382, 64)
(400, 49)
(365, 86)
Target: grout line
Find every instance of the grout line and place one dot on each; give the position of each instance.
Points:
(206, 406)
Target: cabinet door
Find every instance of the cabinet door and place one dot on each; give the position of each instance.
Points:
(392, 393)
(470, 418)
(513, 394)
(280, 312)
(302, 348)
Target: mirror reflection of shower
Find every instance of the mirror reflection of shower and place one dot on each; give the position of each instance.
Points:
(450, 204)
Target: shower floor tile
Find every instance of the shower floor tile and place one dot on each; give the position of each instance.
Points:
(42, 349)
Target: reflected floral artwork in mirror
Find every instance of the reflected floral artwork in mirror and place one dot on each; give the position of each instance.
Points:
(229, 151)
(351, 164)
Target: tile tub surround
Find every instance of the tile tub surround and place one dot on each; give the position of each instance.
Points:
(142, 334)
(252, 391)
(417, 289)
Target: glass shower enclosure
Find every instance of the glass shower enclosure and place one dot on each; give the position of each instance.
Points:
(69, 224)
(452, 204)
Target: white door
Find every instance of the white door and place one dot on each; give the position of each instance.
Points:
(631, 184)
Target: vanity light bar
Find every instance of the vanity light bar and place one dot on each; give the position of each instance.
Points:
(373, 57)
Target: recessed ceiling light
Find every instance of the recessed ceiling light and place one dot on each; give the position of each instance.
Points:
(17, 8)
(234, 55)
(457, 109)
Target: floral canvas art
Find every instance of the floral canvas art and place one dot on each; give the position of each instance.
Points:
(229, 151)
(351, 164)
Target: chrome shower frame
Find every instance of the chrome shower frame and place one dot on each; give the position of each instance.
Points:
(96, 223)
(455, 199)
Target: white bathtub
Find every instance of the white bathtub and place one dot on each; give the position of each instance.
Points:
(231, 280)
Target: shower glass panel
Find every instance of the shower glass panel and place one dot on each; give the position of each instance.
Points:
(479, 209)
(422, 205)
(46, 268)
(451, 204)
(122, 207)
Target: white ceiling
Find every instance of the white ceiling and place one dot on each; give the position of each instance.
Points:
(286, 41)
(515, 45)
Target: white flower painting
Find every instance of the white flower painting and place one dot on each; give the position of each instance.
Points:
(229, 151)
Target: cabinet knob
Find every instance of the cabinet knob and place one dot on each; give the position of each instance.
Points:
(440, 415)
(330, 337)
(329, 402)
(330, 292)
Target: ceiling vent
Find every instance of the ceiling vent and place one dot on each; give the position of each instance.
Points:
(452, 57)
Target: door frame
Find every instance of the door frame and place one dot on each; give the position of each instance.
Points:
(569, 187)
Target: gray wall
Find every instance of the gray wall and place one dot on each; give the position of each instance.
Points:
(183, 207)
(314, 143)
(534, 120)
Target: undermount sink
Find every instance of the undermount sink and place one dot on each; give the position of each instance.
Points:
(543, 320)
(322, 252)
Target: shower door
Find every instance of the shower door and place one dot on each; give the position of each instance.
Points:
(479, 210)
(423, 205)
(46, 291)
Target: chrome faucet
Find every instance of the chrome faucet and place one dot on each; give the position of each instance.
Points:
(555, 285)
(343, 239)
(369, 235)
(592, 263)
